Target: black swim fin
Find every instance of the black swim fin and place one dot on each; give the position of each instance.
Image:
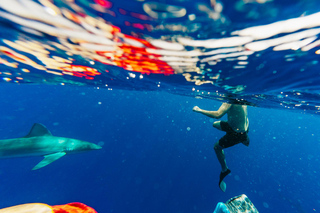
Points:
(222, 184)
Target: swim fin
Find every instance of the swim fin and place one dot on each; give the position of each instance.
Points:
(222, 184)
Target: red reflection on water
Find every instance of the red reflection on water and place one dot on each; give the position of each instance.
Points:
(138, 25)
(140, 16)
(104, 3)
(14, 56)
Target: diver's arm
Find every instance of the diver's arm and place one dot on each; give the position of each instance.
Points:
(214, 114)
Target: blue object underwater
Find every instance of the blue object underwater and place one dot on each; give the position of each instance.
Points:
(221, 208)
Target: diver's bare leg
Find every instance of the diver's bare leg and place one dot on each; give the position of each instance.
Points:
(216, 125)
(221, 157)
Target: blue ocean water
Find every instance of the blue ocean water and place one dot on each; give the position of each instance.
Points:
(157, 154)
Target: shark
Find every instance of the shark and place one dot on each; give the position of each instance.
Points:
(40, 142)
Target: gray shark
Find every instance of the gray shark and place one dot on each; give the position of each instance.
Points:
(40, 142)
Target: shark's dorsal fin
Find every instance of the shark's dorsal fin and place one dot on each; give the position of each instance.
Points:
(49, 159)
(38, 130)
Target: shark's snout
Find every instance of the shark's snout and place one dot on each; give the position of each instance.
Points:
(82, 146)
(95, 146)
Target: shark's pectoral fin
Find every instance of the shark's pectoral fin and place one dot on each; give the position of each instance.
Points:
(49, 159)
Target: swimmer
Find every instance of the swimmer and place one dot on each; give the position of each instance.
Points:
(236, 128)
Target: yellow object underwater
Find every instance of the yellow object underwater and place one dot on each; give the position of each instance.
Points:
(28, 208)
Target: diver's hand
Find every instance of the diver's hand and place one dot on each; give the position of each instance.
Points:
(196, 109)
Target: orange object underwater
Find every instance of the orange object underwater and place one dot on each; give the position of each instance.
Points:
(73, 208)
(44, 208)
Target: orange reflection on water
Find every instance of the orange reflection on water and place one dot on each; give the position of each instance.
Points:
(137, 59)
(81, 71)
(93, 39)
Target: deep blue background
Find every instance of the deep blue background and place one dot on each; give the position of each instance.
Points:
(150, 162)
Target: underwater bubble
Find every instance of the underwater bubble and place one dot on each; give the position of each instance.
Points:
(188, 128)
(266, 205)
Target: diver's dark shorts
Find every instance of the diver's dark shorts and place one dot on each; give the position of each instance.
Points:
(232, 138)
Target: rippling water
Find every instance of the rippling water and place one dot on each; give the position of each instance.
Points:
(258, 52)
